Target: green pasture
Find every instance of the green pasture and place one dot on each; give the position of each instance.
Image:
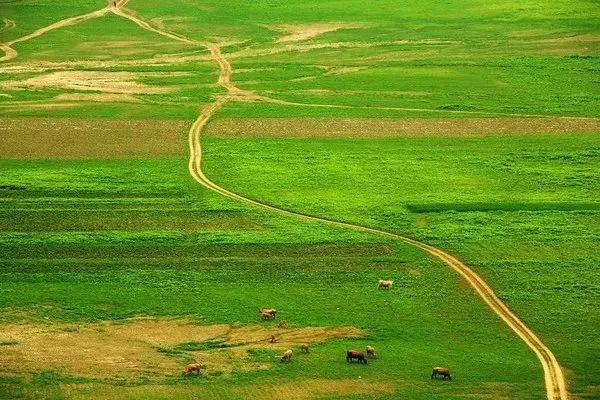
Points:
(91, 240)
(463, 56)
(122, 238)
(524, 211)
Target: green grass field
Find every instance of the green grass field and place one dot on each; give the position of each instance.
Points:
(117, 268)
(523, 209)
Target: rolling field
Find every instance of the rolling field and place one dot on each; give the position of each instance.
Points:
(170, 167)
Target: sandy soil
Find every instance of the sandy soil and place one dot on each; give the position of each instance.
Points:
(97, 81)
(98, 97)
(148, 347)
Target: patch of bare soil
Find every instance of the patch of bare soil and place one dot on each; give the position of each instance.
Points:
(9, 52)
(98, 97)
(89, 138)
(371, 127)
(296, 33)
(339, 70)
(155, 61)
(20, 105)
(552, 42)
(308, 46)
(146, 347)
(330, 92)
(232, 353)
(585, 38)
(98, 81)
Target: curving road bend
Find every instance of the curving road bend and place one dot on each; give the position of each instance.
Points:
(556, 387)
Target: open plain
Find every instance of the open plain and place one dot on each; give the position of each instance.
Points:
(167, 169)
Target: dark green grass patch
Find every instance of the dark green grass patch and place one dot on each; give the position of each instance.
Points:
(502, 206)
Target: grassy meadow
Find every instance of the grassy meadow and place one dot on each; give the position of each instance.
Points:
(117, 268)
(524, 210)
(160, 246)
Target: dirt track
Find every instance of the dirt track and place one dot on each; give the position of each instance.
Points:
(555, 382)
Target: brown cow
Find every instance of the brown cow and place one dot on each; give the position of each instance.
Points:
(267, 313)
(193, 368)
(356, 355)
(384, 284)
(304, 348)
(371, 352)
(287, 356)
(272, 339)
(441, 371)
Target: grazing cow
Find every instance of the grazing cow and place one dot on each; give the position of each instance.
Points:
(287, 356)
(265, 316)
(282, 324)
(193, 368)
(441, 371)
(304, 348)
(267, 313)
(371, 352)
(384, 284)
(272, 339)
(356, 355)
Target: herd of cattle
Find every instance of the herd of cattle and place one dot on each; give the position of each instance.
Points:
(351, 355)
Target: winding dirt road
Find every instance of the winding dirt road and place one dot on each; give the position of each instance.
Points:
(556, 388)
